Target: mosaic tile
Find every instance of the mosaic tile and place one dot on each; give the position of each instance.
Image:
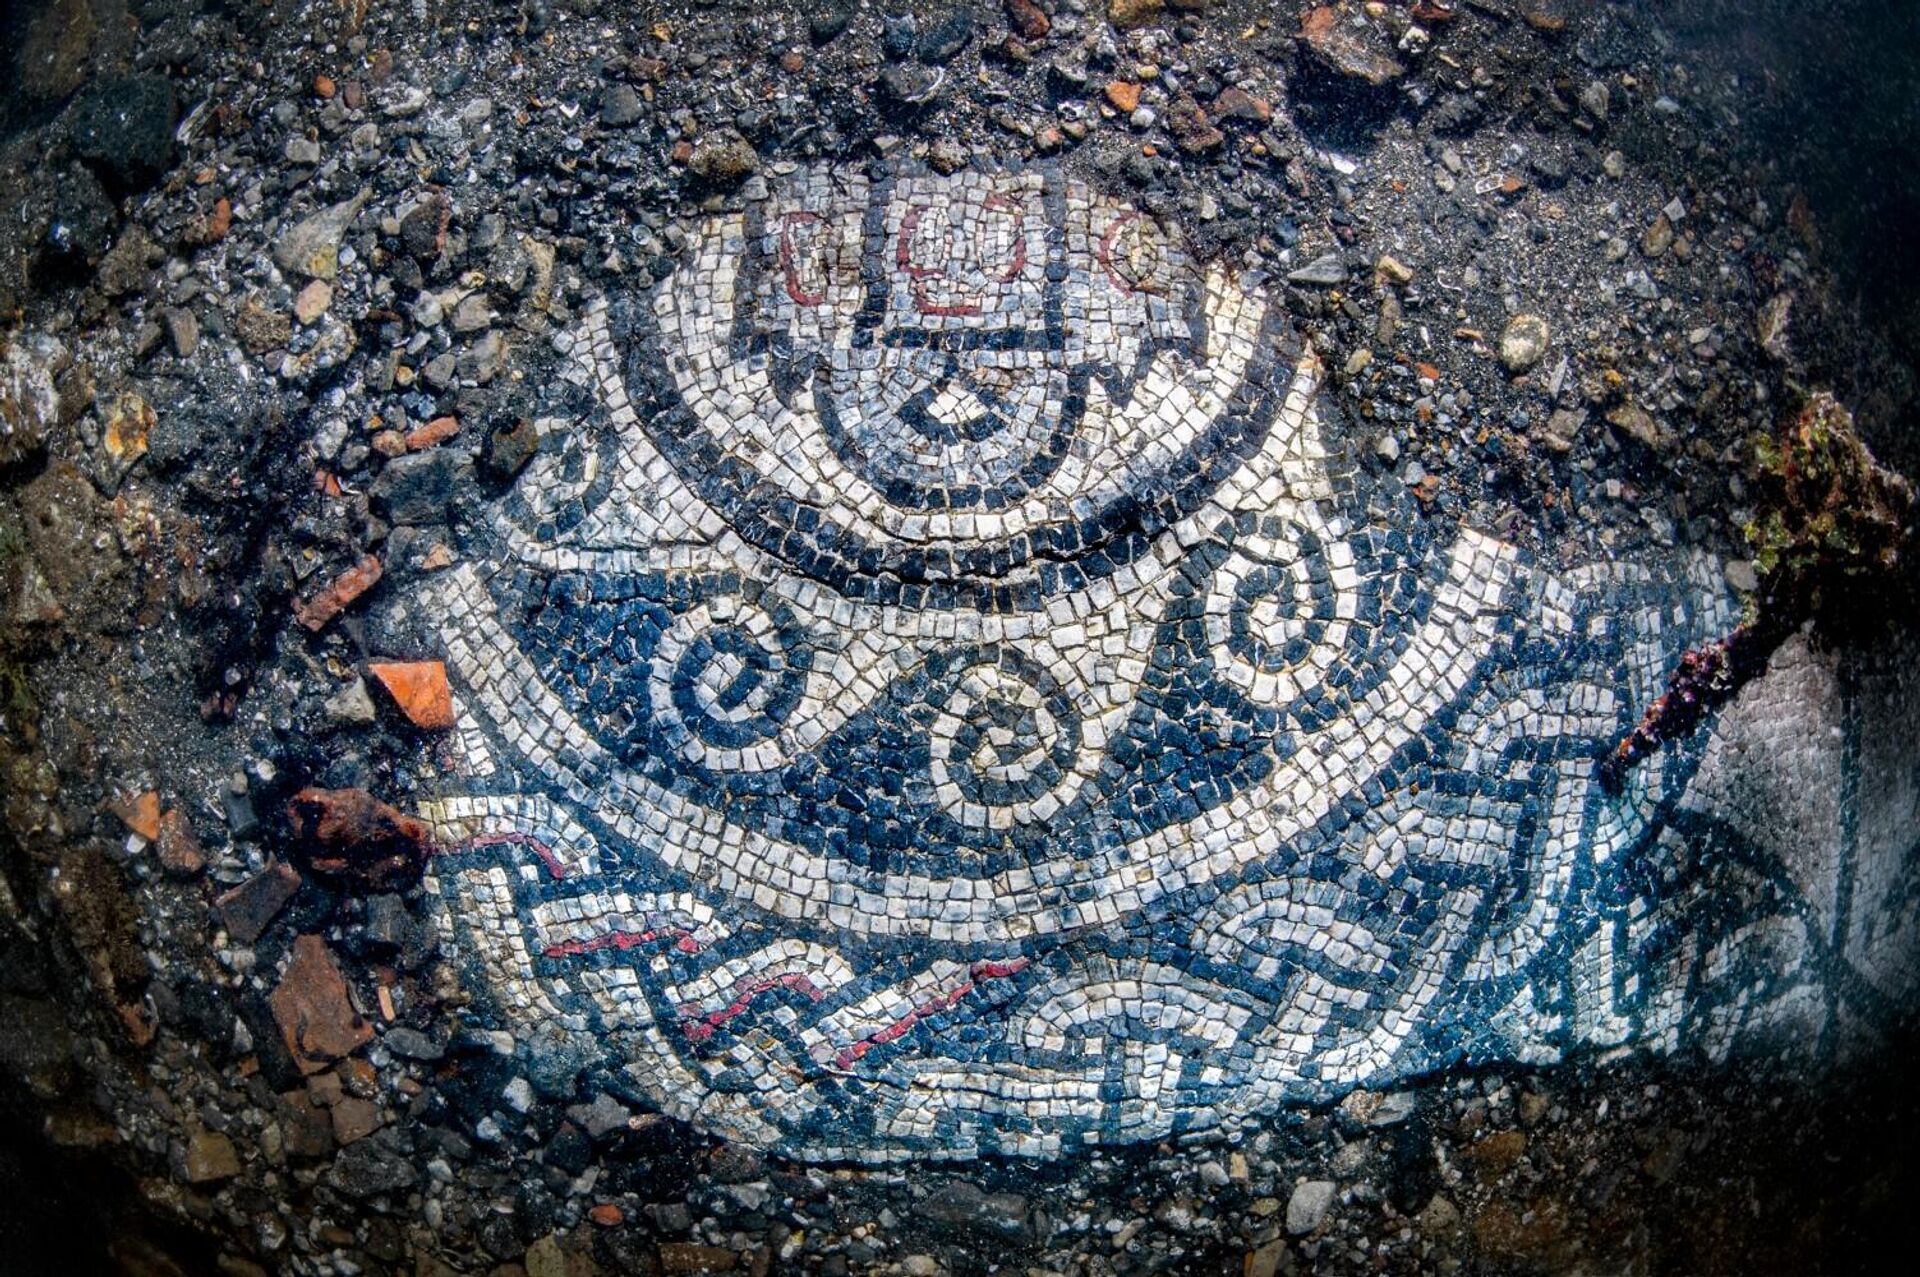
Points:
(948, 696)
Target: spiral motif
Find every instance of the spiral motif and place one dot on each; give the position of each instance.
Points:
(1005, 747)
(727, 675)
(1276, 618)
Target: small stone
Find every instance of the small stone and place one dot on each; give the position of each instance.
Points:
(29, 401)
(602, 1117)
(130, 421)
(420, 690)
(518, 1095)
(724, 159)
(1770, 325)
(312, 247)
(416, 489)
(1546, 15)
(208, 1156)
(352, 705)
(411, 1044)
(1125, 96)
(621, 107)
(912, 85)
(1307, 1208)
(260, 328)
(1562, 428)
(1523, 342)
(179, 848)
(1440, 1217)
(511, 447)
(1192, 131)
(315, 613)
(1596, 100)
(423, 230)
(1496, 1154)
(1238, 104)
(1637, 424)
(1264, 1261)
(830, 21)
(1387, 447)
(140, 813)
(313, 1009)
(1532, 1106)
(1346, 51)
(1126, 15)
(898, 34)
(1028, 20)
(943, 40)
(183, 330)
(354, 1119)
(244, 911)
(1324, 271)
(301, 151)
(1658, 237)
(545, 1258)
(1741, 576)
(312, 301)
(963, 1207)
(1391, 270)
(441, 370)
(946, 156)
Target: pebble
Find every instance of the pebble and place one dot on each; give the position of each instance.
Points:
(312, 301)
(947, 36)
(1307, 1208)
(183, 330)
(311, 247)
(724, 159)
(1324, 271)
(29, 401)
(1638, 425)
(1391, 270)
(1562, 428)
(352, 705)
(1523, 343)
(1028, 20)
(1129, 14)
(621, 107)
(1346, 51)
(472, 314)
(208, 1156)
(1658, 237)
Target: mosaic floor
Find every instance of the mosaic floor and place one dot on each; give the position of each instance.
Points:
(949, 696)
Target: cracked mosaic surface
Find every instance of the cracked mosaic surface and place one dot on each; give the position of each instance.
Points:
(948, 696)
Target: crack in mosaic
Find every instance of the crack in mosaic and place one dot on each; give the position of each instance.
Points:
(950, 698)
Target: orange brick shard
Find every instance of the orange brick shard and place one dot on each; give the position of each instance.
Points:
(316, 612)
(420, 689)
